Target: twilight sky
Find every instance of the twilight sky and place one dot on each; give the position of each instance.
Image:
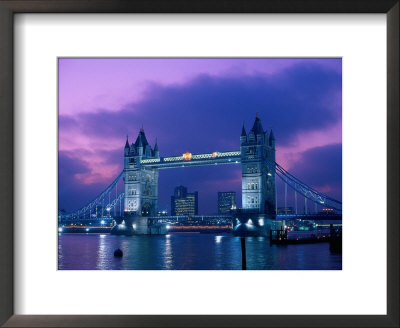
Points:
(197, 105)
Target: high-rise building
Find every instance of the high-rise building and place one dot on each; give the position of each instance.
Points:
(184, 203)
(226, 202)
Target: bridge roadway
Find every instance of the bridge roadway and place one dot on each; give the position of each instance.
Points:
(314, 217)
(188, 159)
(197, 218)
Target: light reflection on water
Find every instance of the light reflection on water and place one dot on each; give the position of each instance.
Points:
(189, 251)
(168, 254)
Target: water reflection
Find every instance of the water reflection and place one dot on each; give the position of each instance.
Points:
(189, 251)
(102, 254)
(168, 259)
(219, 253)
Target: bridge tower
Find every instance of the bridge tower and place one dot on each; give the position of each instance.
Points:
(258, 178)
(141, 183)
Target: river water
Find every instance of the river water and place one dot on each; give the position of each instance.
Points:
(189, 251)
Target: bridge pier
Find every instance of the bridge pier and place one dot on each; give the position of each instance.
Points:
(132, 224)
(247, 224)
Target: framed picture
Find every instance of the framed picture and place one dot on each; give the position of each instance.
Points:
(151, 159)
(206, 179)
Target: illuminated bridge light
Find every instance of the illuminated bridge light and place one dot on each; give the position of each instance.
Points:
(187, 156)
(214, 154)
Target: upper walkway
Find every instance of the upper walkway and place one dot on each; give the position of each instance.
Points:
(189, 159)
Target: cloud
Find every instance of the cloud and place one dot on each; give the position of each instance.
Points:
(208, 111)
(71, 190)
(78, 182)
(321, 168)
(202, 115)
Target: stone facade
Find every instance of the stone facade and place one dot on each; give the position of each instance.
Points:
(258, 169)
(141, 183)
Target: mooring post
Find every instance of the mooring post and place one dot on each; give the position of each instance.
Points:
(243, 246)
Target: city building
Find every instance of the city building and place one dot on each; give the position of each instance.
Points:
(184, 203)
(226, 201)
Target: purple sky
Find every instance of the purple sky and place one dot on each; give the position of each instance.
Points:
(197, 105)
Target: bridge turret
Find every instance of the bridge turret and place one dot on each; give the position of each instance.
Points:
(133, 149)
(126, 149)
(272, 139)
(266, 137)
(148, 152)
(257, 126)
(141, 181)
(243, 136)
(139, 144)
(258, 130)
(156, 151)
(258, 180)
(251, 138)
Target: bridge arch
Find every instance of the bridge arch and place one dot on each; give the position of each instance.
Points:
(147, 209)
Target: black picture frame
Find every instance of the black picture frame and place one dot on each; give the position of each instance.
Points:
(10, 7)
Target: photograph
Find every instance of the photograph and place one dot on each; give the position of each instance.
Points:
(199, 155)
(199, 163)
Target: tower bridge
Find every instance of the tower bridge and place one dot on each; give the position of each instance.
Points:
(257, 148)
(259, 169)
(189, 159)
